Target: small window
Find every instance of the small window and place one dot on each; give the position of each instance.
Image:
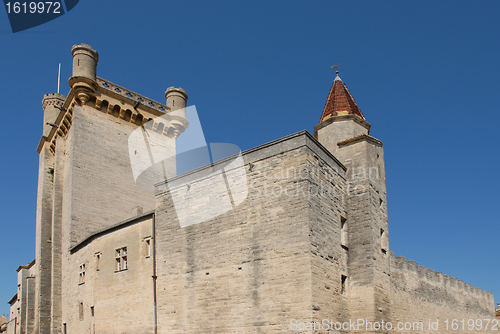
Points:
(147, 247)
(343, 232)
(383, 241)
(121, 259)
(97, 261)
(92, 311)
(65, 330)
(343, 282)
(82, 274)
(80, 310)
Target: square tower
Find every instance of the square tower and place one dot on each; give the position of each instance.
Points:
(86, 182)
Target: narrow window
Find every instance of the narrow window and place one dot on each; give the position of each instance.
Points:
(147, 247)
(343, 283)
(97, 261)
(343, 232)
(121, 259)
(80, 310)
(92, 311)
(82, 274)
(383, 241)
(65, 331)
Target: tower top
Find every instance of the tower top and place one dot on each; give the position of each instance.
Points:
(340, 102)
(85, 49)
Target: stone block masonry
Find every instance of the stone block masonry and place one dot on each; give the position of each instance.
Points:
(419, 294)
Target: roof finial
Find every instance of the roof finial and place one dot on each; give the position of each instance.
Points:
(336, 72)
(336, 65)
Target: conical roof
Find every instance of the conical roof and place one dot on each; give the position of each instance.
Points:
(340, 102)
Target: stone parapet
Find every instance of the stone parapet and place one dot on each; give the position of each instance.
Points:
(438, 279)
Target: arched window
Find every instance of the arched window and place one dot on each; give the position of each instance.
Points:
(104, 106)
(138, 119)
(116, 111)
(149, 124)
(160, 128)
(128, 115)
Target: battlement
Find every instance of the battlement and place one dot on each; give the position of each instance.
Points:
(438, 279)
(115, 101)
(137, 98)
(53, 99)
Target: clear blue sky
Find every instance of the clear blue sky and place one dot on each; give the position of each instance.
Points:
(424, 73)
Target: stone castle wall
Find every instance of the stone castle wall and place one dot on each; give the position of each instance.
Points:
(421, 294)
(103, 191)
(250, 269)
(109, 300)
(328, 207)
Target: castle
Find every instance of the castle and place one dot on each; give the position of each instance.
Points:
(303, 245)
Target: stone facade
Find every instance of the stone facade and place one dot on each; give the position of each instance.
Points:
(106, 293)
(22, 305)
(310, 241)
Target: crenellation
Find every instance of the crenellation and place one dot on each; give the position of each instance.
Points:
(422, 272)
(447, 281)
(432, 276)
(453, 283)
(400, 262)
(412, 266)
(53, 99)
(130, 95)
(460, 285)
(440, 278)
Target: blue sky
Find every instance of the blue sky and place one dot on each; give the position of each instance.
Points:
(424, 73)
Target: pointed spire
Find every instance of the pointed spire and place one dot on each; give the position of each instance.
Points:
(340, 102)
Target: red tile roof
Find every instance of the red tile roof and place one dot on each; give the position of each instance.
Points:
(340, 102)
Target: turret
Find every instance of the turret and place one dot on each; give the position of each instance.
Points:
(85, 60)
(344, 131)
(176, 101)
(50, 103)
(341, 119)
(176, 98)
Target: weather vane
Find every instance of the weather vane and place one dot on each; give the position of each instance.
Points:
(336, 66)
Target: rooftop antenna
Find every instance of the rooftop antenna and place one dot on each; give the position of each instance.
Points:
(58, 78)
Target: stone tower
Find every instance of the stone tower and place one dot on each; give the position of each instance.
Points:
(85, 178)
(51, 104)
(344, 131)
(176, 98)
(83, 80)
